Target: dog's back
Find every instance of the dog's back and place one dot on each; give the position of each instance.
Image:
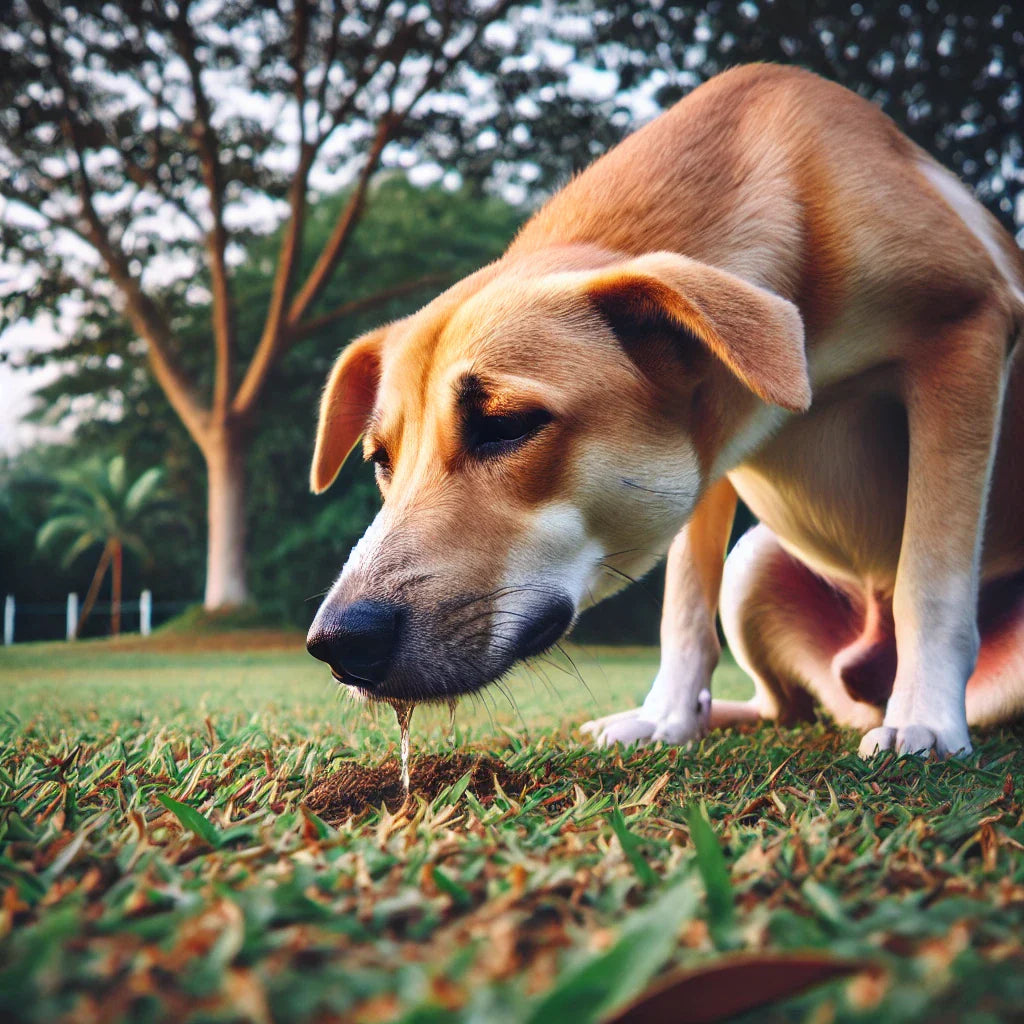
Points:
(794, 183)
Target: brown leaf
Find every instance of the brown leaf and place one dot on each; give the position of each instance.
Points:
(734, 985)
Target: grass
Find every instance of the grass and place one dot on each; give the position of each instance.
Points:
(158, 861)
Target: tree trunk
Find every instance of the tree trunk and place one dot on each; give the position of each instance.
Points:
(94, 588)
(226, 585)
(115, 588)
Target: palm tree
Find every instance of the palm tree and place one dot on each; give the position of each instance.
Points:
(98, 506)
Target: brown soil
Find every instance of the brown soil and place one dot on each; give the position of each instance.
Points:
(355, 787)
(242, 640)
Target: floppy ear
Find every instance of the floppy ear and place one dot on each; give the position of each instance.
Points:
(757, 334)
(345, 407)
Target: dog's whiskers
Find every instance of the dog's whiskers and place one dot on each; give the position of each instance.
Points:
(654, 490)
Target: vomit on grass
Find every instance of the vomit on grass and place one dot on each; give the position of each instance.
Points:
(355, 788)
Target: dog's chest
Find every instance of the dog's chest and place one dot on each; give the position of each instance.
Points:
(832, 486)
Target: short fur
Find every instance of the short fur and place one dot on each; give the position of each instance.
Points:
(768, 291)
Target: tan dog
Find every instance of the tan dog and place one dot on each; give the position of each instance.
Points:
(767, 291)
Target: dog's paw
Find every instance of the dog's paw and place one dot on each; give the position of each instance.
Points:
(624, 727)
(915, 739)
(638, 726)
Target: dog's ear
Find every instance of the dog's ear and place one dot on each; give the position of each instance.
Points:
(345, 407)
(757, 334)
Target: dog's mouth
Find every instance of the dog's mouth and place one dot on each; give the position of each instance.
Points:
(547, 631)
(366, 685)
(441, 655)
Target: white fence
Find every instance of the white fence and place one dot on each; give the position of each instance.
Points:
(143, 607)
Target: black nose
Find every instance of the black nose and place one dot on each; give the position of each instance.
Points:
(357, 640)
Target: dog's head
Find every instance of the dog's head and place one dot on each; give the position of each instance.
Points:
(539, 435)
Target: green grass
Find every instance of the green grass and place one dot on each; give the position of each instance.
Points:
(157, 862)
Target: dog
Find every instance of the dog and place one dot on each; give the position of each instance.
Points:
(767, 292)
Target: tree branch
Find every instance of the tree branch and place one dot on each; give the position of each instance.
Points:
(366, 71)
(300, 39)
(205, 140)
(280, 325)
(332, 252)
(441, 69)
(329, 58)
(272, 341)
(335, 245)
(142, 311)
(308, 327)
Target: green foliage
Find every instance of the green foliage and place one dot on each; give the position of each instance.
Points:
(603, 983)
(297, 541)
(632, 847)
(193, 820)
(95, 503)
(714, 872)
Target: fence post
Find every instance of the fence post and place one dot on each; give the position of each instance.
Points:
(71, 618)
(145, 612)
(9, 620)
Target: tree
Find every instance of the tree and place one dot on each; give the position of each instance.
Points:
(97, 505)
(407, 233)
(145, 142)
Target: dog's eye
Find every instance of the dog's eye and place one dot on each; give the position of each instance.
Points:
(381, 461)
(496, 435)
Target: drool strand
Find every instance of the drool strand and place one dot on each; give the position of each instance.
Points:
(450, 735)
(403, 712)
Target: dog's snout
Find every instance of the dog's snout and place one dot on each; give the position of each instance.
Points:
(357, 640)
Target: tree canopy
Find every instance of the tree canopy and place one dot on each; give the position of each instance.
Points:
(149, 144)
(169, 163)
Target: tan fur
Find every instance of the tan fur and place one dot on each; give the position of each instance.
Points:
(769, 283)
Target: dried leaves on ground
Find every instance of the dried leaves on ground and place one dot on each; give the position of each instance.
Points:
(352, 788)
(167, 861)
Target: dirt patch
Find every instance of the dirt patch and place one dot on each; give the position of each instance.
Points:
(355, 787)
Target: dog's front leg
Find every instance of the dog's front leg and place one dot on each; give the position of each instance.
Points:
(678, 707)
(953, 398)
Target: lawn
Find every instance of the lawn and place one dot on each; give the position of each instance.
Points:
(159, 860)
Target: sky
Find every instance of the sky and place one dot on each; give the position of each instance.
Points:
(16, 387)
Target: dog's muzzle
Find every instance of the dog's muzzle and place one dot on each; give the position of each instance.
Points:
(401, 651)
(544, 630)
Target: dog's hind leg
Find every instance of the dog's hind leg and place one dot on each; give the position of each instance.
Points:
(995, 691)
(678, 706)
(953, 392)
(785, 626)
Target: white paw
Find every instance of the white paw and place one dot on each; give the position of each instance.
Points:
(623, 727)
(915, 739)
(639, 726)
